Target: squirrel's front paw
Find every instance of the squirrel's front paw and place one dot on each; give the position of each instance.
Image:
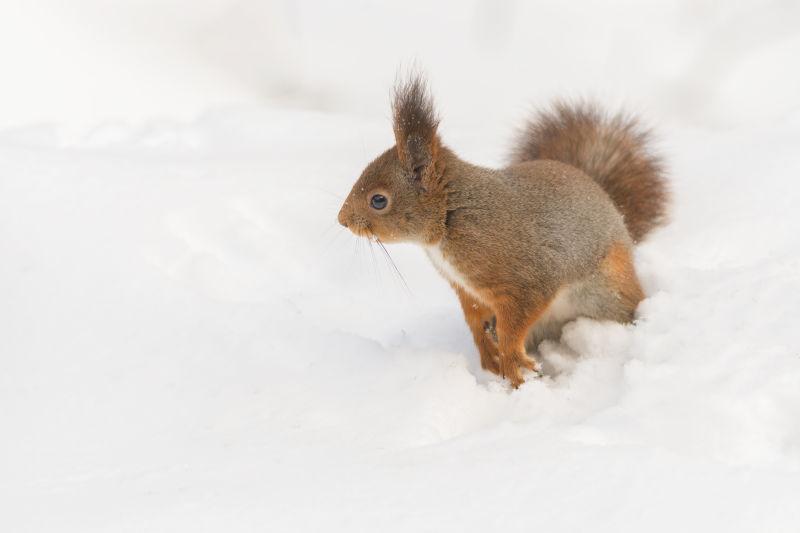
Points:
(511, 368)
(490, 360)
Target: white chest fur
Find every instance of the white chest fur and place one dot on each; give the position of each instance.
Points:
(448, 270)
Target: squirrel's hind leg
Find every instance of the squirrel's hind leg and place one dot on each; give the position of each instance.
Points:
(613, 292)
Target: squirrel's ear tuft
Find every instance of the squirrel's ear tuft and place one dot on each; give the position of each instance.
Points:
(415, 123)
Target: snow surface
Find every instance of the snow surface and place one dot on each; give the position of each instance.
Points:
(189, 342)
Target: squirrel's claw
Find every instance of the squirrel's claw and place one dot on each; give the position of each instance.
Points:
(511, 368)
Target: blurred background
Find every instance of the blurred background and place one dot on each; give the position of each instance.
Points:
(706, 61)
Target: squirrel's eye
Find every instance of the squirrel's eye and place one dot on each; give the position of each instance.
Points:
(378, 201)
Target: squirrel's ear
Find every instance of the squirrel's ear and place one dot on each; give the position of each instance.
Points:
(415, 124)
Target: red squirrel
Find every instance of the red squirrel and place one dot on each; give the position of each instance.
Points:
(527, 247)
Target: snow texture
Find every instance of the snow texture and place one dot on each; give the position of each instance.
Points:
(189, 342)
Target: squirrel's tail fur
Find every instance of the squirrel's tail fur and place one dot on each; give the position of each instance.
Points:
(613, 150)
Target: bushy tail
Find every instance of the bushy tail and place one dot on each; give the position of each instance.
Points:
(611, 149)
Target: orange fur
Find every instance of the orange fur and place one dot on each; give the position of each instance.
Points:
(618, 269)
(514, 319)
(477, 316)
(505, 356)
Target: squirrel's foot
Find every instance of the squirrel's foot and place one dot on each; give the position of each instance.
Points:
(511, 368)
(491, 362)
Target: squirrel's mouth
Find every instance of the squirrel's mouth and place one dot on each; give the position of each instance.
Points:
(370, 234)
(362, 227)
(357, 226)
(362, 231)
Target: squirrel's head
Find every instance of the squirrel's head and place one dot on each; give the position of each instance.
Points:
(400, 196)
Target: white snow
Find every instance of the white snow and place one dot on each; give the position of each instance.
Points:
(190, 342)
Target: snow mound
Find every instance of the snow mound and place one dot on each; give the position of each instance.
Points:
(190, 342)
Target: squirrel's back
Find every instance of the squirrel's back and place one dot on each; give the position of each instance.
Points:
(613, 150)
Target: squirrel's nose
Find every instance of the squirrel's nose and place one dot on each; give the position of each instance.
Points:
(342, 219)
